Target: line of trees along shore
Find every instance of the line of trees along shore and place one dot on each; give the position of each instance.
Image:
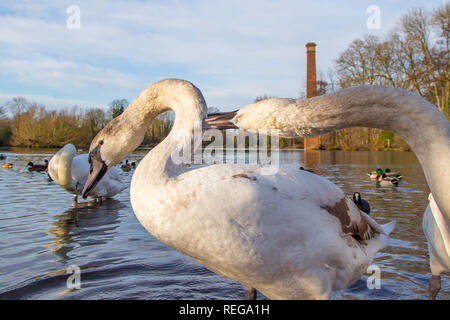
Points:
(33, 125)
(414, 56)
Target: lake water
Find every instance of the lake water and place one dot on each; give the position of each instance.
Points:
(41, 235)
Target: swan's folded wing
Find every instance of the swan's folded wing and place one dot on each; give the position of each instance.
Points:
(113, 174)
(109, 187)
(353, 222)
(80, 168)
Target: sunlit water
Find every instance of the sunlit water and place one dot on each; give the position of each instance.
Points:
(41, 235)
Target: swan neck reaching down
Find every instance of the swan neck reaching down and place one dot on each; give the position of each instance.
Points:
(65, 159)
(126, 132)
(189, 106)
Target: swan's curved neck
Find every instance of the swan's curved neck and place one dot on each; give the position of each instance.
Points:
(65, 170)
(190, 108)
(417, 121)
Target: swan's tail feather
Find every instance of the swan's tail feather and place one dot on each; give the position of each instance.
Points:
(381, 240)
(388, 227)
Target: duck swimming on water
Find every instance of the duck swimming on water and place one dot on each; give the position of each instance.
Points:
(7, 165)
(389, 173)
(386, 181)
(38, 167)
(126, 167)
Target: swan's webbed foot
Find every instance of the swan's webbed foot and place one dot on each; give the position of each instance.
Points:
(434, 287)
(250, 294)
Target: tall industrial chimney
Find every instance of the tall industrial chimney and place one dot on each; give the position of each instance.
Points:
(311, 88)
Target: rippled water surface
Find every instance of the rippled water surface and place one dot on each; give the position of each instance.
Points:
(41, 235)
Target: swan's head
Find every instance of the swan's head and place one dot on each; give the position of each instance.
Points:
(110, 146)
(97, 169)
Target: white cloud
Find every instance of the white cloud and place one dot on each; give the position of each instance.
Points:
(60, 73)
(232, 50)
(52, 102)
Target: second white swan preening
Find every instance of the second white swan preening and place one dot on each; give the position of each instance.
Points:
(290, 235)
(71, 172)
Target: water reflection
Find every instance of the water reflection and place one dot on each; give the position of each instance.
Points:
(87, 223)
(41, 235)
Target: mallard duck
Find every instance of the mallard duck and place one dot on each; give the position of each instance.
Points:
(361, 203)
(309, 170)
(374, 174)
(6, 165)
(389, 173)
(127, 166)
(38, 167)
(386, 181)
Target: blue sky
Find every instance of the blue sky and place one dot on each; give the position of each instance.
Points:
(232, 50)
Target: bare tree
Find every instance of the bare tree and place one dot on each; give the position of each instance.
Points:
(117, 107)
(414, 56)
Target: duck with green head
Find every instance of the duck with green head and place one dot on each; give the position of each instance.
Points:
(375, 174)
(37, 167)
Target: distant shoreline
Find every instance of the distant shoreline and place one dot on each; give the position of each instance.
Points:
(149, 147)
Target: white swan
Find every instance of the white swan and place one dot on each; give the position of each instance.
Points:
(290, 235)
(438, 245)
(71, 173)
(413, 118)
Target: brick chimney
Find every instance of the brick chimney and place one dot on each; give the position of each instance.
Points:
(311, 88)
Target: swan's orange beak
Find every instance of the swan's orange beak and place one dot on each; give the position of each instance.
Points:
(221, 121)
(96, 173)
